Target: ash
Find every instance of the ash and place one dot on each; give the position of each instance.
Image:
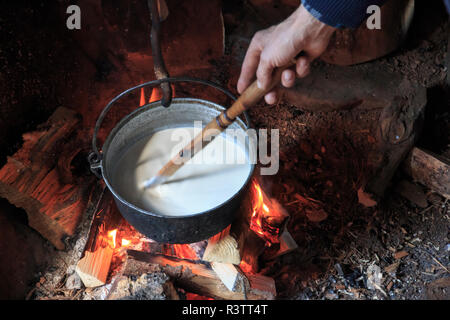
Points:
(148, 286)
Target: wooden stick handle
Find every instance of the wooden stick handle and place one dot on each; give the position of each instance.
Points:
(249, 98)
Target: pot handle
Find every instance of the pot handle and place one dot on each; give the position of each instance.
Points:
(95, 157)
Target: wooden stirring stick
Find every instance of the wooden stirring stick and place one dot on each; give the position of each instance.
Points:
(249, 98)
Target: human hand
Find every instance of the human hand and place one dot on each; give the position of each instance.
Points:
(279, 45)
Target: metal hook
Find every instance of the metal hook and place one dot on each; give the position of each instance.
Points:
(158, 61)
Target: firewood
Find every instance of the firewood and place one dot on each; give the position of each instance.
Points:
(170, 291)
(430, 170)
(197, 277)
(222, 248)
(94, 265)
(33, 180)
(106, 218)
(231, 276)
(226, 250)
(262, 287)
(287, 244)
(260, 220)
(93, 268)
(253, 248)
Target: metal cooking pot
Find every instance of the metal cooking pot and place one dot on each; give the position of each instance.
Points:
(143, 122)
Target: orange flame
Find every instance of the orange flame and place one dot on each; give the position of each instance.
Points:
(255, 221)
(142, 101)
(268, 216)
(112, 236)
(157, 94)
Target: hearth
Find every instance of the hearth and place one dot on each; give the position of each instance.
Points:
(325, 226)
(225, 266)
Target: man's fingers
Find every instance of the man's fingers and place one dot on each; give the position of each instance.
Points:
(288, 78)
(302, 66)
(271, 97)
(264, 73)
(248, 70)
(249, 65)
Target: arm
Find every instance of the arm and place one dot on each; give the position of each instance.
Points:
(306, 30)
(342, 13)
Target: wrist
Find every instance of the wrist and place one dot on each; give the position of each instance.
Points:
(304, 19)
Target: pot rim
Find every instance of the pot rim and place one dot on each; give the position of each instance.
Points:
(128, 117)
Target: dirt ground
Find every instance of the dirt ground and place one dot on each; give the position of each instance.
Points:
(396, 250)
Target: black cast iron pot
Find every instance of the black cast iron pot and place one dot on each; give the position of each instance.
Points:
(143, 122)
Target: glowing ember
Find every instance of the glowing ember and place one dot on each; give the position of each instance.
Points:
(193, 296)
(184, 251)
(245, 267)
(112, 236)
(125, 242)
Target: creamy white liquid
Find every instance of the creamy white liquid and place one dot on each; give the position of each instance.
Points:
(209, 179)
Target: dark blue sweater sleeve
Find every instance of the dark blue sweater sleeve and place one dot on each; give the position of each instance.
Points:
(340, 13)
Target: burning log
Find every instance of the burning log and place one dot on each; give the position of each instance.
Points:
(198, 277)
(34, 180)
(287, 244)
(186, 264)
(268, 218)
(261, 222)
(93, 267)
(430, 170)
(107, 218)
(231, 276)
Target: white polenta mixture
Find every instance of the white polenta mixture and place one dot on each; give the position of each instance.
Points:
(209, 179)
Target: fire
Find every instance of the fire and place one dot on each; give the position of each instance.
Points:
(245, 267)
(112, 236)
(114, 239)
(142, 101)
(268, 216)
(255, 221)
(157, 94)
(184, 251)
